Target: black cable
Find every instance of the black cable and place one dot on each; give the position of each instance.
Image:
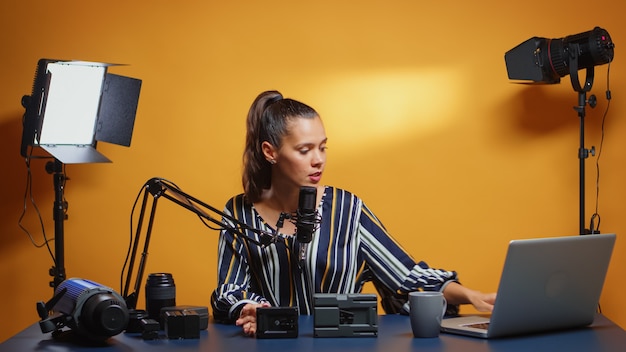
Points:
(132, 228)
(191, 203)
(595, 226)
(596, 214)
(28, 195)
(130, 244)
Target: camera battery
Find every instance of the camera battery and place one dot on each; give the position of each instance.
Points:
(277, 322)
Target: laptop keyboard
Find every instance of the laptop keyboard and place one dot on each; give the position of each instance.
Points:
(484, 326)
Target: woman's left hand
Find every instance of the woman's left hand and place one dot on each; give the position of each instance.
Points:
(247, 317)
(455, 293)
(483, 302)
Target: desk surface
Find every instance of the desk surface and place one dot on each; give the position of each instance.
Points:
(394, 334)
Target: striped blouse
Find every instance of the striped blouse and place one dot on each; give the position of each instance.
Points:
(350, 247)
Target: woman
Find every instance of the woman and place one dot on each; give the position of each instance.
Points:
(285, 150)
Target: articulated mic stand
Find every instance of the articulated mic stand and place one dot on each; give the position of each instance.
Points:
(159, 188)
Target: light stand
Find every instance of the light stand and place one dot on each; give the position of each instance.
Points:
(583, 153)
(545, 61)
(159, 188)
(73, 105)
(59, 215)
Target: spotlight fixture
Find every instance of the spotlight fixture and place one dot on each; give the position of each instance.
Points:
(545, 60)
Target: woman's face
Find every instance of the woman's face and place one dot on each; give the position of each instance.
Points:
(301, 159)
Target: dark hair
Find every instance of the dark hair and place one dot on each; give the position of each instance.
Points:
(267, 120)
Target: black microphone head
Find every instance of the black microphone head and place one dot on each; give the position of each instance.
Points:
(307, 218)
(307, 199)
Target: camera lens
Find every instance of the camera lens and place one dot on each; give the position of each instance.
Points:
(160, 292)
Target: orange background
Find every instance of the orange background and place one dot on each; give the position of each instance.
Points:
(422, 121)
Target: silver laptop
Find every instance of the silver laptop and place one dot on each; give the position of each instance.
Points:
(546, 284)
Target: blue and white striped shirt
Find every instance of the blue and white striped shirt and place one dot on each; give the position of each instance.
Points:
(350, 247)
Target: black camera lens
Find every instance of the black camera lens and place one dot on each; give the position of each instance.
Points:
(160, 292)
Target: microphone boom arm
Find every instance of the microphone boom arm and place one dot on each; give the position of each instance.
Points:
(160, 188)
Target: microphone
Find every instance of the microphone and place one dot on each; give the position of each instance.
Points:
(307, 217)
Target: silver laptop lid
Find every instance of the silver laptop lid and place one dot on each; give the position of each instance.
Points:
(551, 283)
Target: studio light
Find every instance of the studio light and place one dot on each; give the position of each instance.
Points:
(75, 104)
(89, 309)
(545, 60)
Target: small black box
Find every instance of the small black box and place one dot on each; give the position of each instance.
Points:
(149, 329)
(276, 322)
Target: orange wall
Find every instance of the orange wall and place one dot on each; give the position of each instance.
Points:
(422, 123)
